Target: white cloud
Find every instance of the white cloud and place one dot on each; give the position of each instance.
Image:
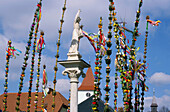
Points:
(161, 101)
(51, 13)
(18, 16)
(159, 8)
(160, 78)
(167, 91)
(63, 85)
(15, 18)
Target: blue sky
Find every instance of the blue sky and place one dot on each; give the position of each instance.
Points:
(16, 18)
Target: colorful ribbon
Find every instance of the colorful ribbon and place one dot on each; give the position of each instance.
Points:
(154, 23)
(11, 51)
(40, 44)
(97, 38)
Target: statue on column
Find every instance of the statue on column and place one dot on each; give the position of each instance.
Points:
(74, 65)
(77, 34)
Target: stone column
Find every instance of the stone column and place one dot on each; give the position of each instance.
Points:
(74, 94)
(74, 69)
(74, 75)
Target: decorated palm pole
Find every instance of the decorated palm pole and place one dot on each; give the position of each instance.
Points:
(10, 52)
(122, 66)
(132, 55)
(97, 69)
(108, 59)
(116, 60)
(44, 86)
(38, 18)
(138, 97)
(95, 98)
(27, 55)
(57, 56)
(102, 53)
(138, 76)
(68, 109)
(135, 64)
(144, 61)
(39, 47)
(144, 87)
(116, 63)
(6, 76)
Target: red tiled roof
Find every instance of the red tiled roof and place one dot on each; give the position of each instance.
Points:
(60, 100)
(88, 81)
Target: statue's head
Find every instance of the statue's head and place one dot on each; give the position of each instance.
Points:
(78, 19)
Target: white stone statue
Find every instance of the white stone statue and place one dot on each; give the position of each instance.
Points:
(77, 34)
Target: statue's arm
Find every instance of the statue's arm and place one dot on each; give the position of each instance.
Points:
(77, 15)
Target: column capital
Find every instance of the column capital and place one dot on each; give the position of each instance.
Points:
(73, 74)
